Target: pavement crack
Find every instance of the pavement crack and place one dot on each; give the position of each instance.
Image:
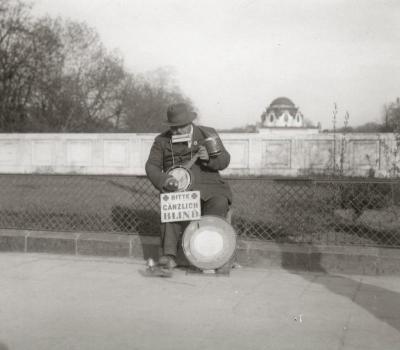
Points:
(180, 283)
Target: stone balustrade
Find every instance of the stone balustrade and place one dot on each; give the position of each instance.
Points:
(287, 154)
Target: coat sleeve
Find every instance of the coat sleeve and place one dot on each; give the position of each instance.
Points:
(221, 161)
(154, 166)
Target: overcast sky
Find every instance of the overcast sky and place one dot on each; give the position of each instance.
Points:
(233, 57)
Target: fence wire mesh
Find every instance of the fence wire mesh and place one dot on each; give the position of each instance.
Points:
(317, 211)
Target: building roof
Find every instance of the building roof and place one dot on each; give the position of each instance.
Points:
(282, 102)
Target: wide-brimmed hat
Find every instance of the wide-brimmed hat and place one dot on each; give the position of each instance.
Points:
(179, 114)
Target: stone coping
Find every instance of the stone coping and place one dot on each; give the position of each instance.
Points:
(301, 257)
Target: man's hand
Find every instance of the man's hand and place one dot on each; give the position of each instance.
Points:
(203, 154)
(171, 184)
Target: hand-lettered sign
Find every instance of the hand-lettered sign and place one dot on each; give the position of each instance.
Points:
(180, 206)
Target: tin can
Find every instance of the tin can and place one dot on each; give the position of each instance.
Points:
(213, 145)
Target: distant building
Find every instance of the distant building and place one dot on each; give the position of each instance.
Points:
(283, 115)
(282, 112)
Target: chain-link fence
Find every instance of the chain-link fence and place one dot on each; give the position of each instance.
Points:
(328, 211)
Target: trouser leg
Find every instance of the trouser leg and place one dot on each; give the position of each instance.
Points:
(217, 205)
(171, 234)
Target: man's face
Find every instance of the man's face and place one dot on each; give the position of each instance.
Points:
(181, 129)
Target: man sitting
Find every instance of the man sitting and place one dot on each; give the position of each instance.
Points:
(176, 146)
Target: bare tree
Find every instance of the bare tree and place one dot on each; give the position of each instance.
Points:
(146, 98)
(17, 64)
(81, 93)
(392, 116)
(57, 76)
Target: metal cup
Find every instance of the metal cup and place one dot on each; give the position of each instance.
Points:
(213, 145)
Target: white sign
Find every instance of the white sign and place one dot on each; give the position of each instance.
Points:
(180, 206)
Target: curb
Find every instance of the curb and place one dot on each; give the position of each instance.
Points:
(297, 257)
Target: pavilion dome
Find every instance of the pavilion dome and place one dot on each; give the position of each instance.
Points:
(282, 102)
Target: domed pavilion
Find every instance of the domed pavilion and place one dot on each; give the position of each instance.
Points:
(281, 113)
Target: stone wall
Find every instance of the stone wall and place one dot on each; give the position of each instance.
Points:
(289, 154)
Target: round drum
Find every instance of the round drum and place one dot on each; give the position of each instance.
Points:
(209, 243)
(183, 175)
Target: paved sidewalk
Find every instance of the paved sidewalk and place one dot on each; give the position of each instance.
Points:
(73, 302)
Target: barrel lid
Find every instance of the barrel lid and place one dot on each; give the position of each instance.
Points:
(209, 243)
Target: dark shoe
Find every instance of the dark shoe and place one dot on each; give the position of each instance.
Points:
(167, 261)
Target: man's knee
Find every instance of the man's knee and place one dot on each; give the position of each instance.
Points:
(217, 205)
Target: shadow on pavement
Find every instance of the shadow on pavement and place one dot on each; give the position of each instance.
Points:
(3, 346)
(380, 302)
(139, 222)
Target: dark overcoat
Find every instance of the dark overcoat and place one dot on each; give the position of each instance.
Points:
(164, 154)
